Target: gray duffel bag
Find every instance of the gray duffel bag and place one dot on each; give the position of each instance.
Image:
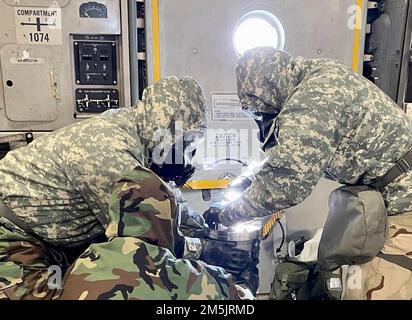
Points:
(356, 227)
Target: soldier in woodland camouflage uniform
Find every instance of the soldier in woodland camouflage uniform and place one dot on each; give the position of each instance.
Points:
(139, 261)
(319, 118)
(57, 189)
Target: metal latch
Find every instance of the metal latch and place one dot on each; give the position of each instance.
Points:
(12, 142)
(372, 5)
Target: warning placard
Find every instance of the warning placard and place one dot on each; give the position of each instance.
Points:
(226, 107)
(38, 25)
(223, 138)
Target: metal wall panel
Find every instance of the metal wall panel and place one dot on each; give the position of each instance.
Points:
(386, 43)
(405, 83)
(52, 91)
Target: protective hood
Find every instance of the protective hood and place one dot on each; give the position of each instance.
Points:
(169, 110)
(266, 77)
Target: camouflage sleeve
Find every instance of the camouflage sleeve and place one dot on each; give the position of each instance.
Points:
(128, 269)
(307, 133)
(142, 206)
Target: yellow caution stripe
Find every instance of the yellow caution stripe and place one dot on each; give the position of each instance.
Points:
(267, 228)
(207, 184)
(357, 36)
(156, 40)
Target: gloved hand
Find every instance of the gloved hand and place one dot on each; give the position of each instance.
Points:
(211, 216)
(250, 276)
(192, 223)
(191, 218)
(184, 175)
(240, 184)
(225, 254)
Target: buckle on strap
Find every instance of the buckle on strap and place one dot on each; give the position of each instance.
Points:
(403, 165)
(284, 282)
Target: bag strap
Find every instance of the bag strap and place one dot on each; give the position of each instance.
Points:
(5, 212)
(401, 167)
(399, 260)
(58, 256)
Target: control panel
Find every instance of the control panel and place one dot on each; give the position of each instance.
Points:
(96, 101)
(96, 73)
(61, 61)
(95, 63)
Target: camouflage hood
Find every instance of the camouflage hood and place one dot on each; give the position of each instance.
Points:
(172, 107)
(266, 77)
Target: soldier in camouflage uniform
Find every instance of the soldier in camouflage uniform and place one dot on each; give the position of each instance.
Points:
(319, 118)
(56, 190)
(381, 279)
(140, 260)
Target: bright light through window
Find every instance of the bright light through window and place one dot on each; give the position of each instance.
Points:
(258, 29)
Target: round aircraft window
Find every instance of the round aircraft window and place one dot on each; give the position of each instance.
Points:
(258, 29)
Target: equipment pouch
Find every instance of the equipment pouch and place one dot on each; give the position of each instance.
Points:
(290, 280)
(356, 227)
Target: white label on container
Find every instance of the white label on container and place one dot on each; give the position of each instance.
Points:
(226, 107)
(38, 25)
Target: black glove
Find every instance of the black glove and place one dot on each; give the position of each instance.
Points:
(225, 254)
(184, 176)
(212, 216)
(250, 276)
